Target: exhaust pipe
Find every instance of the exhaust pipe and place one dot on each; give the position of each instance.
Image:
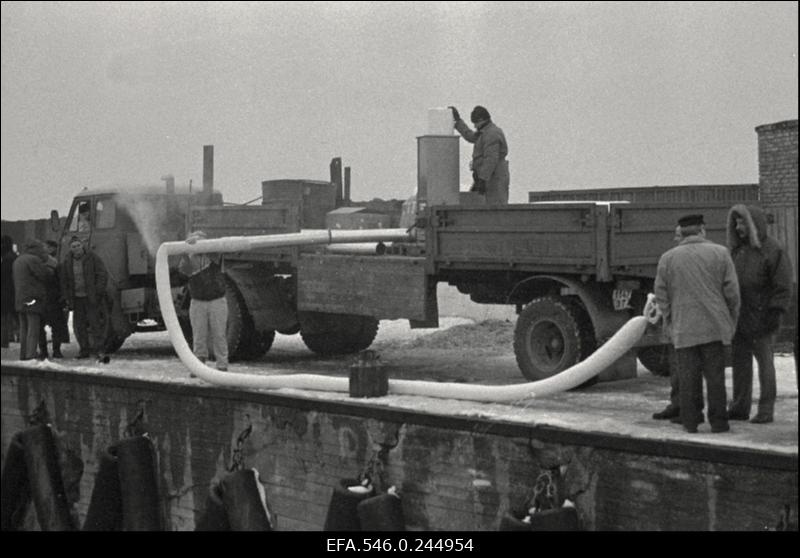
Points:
(208, 169)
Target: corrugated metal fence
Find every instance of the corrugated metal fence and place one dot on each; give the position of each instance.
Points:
(691, 193)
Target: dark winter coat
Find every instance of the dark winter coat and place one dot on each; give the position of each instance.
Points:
(7, 282)
(30, 280)
(54, 301)
(488, 157)
(94, 272)
(763, 269)
(206, 280)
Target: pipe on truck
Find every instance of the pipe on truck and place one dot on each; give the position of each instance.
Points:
(621, 342)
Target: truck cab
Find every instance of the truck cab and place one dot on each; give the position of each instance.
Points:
(125, 228)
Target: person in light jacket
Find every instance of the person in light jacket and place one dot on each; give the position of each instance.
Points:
(208, 310)
(697, 292)
(489, 166)
(765, 283)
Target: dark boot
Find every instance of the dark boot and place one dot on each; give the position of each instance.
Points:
(668, 413)
(762, 418)
(698, 419)
(736, 415)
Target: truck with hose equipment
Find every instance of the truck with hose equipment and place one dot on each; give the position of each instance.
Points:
(575, 271)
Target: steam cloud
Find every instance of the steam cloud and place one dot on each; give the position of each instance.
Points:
(149, 214)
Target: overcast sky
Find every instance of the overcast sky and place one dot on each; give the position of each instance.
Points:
(589, 94)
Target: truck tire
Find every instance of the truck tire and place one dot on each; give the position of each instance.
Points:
(259, 343)
(244, 341)
(290, 330)
(337, 334)
(655, 358)
(114, 342)
(550, 336)
(240, 330)
(112, 339)
(588, 341)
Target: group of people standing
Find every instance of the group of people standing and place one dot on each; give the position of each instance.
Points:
(39, 291)
(711, 296)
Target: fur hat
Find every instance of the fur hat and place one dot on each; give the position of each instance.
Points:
(756, 223)
(479, 113)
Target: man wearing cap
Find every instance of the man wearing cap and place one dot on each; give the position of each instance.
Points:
(698, 294)
(489, 165)
(208, 310)
(765, 281)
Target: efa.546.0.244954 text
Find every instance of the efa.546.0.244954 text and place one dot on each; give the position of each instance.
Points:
(399, 544)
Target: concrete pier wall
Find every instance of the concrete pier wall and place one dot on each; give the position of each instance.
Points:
(452, 473)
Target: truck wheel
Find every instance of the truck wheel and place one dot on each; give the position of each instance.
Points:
(259, 344)
(588, 341)
(112, 340)
(240, 330)
(290, 330)
(655, 359)
(186, 328)
(337, 334)
(548, 338)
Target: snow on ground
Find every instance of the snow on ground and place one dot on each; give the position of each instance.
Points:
(461, 350)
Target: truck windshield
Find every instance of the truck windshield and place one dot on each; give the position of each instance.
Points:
(105, 212)
(81, 217)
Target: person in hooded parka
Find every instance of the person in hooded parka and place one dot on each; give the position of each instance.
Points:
(765, 282)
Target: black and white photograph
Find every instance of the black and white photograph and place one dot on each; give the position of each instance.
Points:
(407, 277)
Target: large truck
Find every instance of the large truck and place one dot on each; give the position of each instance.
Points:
(575, 271)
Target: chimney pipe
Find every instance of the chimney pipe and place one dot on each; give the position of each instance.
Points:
(170, 180)
(347, 185)
(208, 169)
(336, 178)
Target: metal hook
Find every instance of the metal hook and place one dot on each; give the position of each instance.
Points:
(237, 459)
(39, 415)
(544, 492)
(137, 427)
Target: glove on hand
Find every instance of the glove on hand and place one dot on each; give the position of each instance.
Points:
(772, 321)
(456, 116)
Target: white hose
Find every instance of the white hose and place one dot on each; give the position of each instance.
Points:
(605, 356)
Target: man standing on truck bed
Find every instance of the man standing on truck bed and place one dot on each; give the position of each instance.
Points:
(698, 294)
(208, 310)
(489, 166)
(83, 282)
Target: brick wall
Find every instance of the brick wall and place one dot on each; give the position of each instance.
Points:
(777, 172)
(454, 473)
(777, 163)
